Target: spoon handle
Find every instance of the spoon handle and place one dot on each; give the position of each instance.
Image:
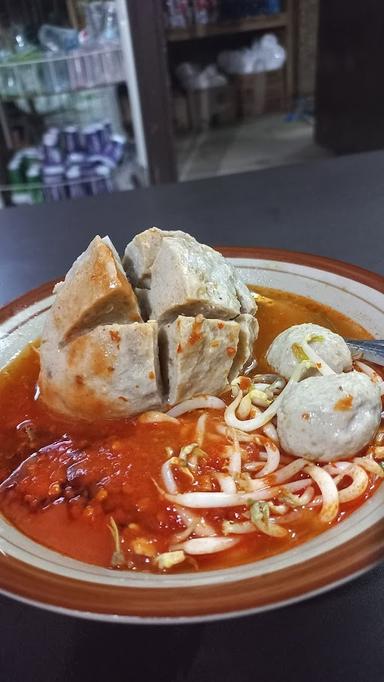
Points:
(372, 350)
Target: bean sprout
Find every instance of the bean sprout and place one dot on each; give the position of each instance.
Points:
(263, 418)
(374, 376)
(226, 482)
(370, 465)
(201, 402)
(156, 417)
(200, 429)
(169, 559)
(238, 528)
(212, 500)
(359, 483)
(271, 432)
(273, 459)
(315, 358)
(281, 475)
(260, 517)
(167, 476)
(329, 492)
(206, 545)
(233, 453)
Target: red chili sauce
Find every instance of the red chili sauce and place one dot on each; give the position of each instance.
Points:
(62, 481)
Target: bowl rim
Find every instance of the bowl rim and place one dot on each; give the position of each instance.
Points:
(140, 605)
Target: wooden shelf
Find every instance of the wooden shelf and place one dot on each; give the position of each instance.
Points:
(258, 23)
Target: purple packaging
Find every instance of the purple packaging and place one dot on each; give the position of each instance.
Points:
(75, 187)
(102, 134)
(101, 182)
(104, 130)
(107, 129)
(71, 139)
(53, 176)
(92, 139)
(54, 133)
(115, 148)
(102, 159)
(88, 167)
(75, 159)
(51, 153)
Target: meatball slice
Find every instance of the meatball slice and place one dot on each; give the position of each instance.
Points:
(141, 252)
(248, 332)
(109, 372)
(325, 418)
(286, 351)
(197, 355)
(185, 277)
(95, 291)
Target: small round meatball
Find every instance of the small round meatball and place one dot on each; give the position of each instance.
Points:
(325, 418)
(329, 346)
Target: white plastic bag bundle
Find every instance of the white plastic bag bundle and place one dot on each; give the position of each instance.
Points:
(263, 55)
(193, 77)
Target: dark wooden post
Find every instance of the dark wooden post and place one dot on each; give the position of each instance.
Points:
(150, 52)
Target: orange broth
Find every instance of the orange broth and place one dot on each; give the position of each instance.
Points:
(62, 481)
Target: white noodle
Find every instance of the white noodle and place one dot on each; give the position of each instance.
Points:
(201, 402)
(200, 429)
(329, 492)
(212, 500)
(359, 483)
(207, 545)
(167, 476)
(297, 500)
(370, 465)
(279, 476)
(200, 526)
(233, 452)
(273, 460)
(271, 432)
(314, 357)
(245, 406)
(253, 466)
(227, 484)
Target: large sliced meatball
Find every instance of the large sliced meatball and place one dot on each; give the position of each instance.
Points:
(325, 418)
(283, 354)
(97, 357)
(99, 349)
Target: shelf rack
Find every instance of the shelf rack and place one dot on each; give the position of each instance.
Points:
(283, 21)
(258, 23)
(53, 75)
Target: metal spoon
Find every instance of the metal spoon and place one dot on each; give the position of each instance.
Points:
(372, 350)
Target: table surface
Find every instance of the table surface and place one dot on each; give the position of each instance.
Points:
(333, 208)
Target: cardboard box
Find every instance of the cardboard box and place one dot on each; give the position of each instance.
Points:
(181, 118)
(250, 88)
(275, 99)
(259, 93)
(212, 107)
